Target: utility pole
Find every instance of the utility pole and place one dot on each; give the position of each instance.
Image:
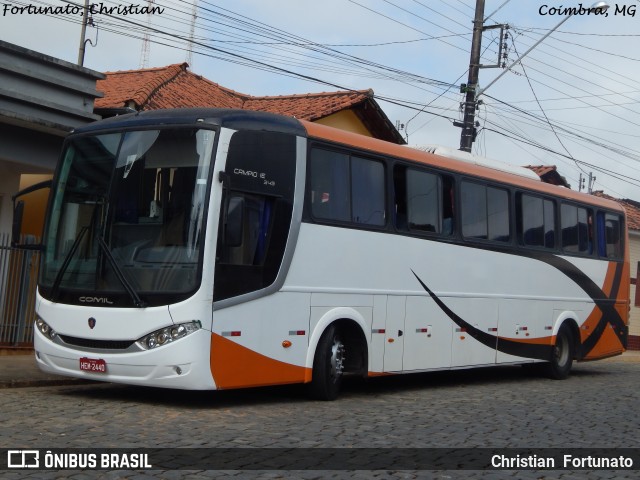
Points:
(83, 33)
(144, 53)
(468, 124)
(468, 134)
(192, 29)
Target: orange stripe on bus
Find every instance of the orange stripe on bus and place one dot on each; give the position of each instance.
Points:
(235, 366)
(608, 345)
(530, 341)
(609, 279)
(590, 323)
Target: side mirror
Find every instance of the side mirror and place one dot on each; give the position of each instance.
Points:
(234, 222)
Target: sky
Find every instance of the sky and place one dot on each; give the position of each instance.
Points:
(573, 101)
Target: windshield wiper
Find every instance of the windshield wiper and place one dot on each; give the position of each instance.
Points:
(120, 274)
(65, 263)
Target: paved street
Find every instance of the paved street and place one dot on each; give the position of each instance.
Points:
(501, 407)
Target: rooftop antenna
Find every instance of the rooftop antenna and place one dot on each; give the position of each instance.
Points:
(192, 30)
(144, 54)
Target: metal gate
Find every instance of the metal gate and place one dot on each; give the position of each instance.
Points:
(18, 281)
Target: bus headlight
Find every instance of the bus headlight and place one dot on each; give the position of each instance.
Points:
(167, 335)
(44, 328)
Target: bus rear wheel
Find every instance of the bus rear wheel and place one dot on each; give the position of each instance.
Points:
(562, 354)
(328, 366)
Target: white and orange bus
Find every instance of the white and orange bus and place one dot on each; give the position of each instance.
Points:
(218, 249)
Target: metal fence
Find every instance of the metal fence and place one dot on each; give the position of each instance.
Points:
(18, 280)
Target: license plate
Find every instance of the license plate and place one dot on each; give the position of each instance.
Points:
(96, 365)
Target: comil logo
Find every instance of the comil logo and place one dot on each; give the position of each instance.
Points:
(23, 459)
(96, 300)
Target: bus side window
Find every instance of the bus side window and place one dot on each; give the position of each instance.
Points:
(424, 201)
(448, 210)
(485, 212)
(424, 197)
(609, 229)
(367, 192)
(347, 188)
(330, 185)
(536, 221)
(577, 232)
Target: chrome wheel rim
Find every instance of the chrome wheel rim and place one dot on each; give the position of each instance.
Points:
(337, 359)
(561, 350)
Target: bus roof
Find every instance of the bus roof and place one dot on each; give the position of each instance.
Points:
(222, 117)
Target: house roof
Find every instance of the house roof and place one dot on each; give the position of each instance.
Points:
(549, 174)
(174, 86)
(631, 207)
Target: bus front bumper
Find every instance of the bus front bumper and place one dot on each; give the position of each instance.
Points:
(182, 364)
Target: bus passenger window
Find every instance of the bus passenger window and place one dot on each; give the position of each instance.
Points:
(347, 189)
(367, 192)
(424, 195)
(536, 221)
(577, 234)
(448, 211)
(609, 228)
(485, 212)
(424, 201)
(330, 185)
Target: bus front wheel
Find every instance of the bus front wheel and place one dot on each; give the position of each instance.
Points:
(561, 355)
(328, 366)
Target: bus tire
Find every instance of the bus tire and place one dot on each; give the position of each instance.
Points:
(562, 354)
(328, 366)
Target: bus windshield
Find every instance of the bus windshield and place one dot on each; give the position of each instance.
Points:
(126, 218)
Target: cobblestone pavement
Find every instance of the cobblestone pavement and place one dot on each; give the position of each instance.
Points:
(500, 407)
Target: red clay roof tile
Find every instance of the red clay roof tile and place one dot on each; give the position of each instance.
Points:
(549, 174)
(174, 86)
(631, 207)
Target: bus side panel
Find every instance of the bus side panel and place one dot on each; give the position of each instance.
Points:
(529, 321)
(482, 313)
(261, 342)
(429, 335)
(515, 305)
(604, 331)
